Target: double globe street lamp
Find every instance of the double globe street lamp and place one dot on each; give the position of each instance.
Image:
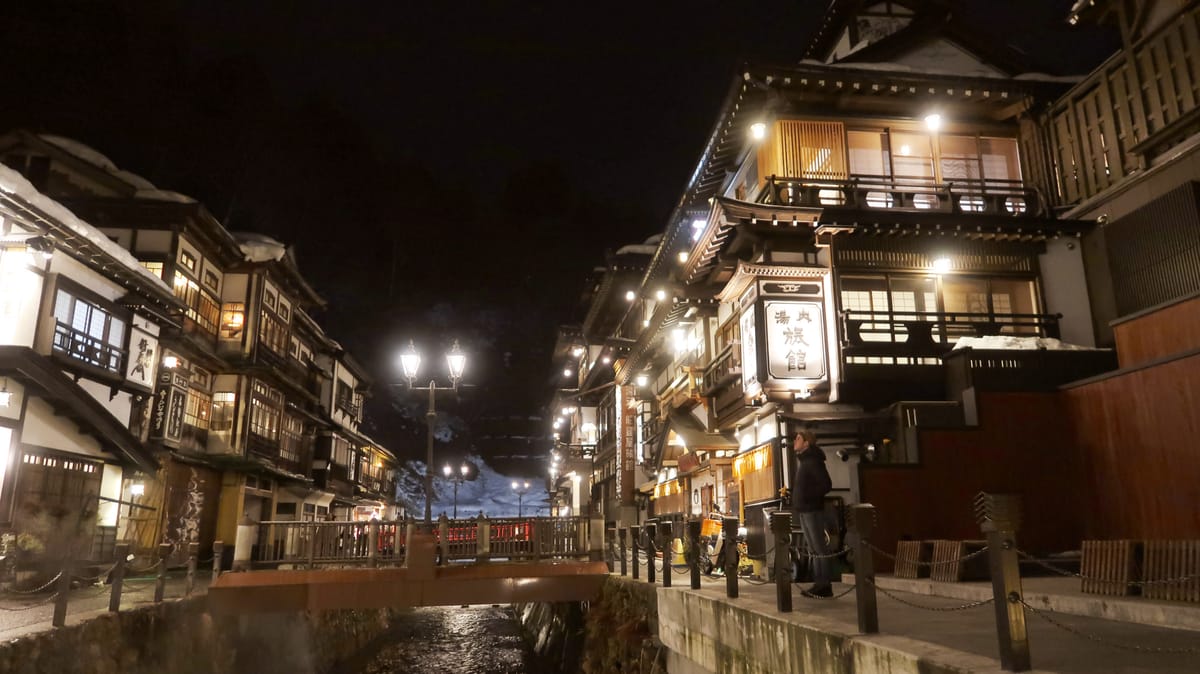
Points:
(521, 488)
(458, 478)
(410, 361)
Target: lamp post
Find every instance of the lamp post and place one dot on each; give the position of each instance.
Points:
(520, 488)
(458, 479)
(456, 360)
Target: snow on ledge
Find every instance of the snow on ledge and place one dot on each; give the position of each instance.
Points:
(96, 159)
(259, 247)
(14, 183)
(163, 195)
(1008, 342)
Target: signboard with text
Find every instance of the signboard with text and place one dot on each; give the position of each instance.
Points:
(795, 335)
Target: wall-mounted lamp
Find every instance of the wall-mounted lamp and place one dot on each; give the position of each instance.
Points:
(641, 380)
(660, 295)
(683, 257)
(170, 362)
(137, 488)
(40, 245)
(566, 372)
(577, 351)
(933, 121)
(758, 130)
(5, 394)
(630, 296)
(941, 265)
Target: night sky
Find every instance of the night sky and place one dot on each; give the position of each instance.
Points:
(443, 169)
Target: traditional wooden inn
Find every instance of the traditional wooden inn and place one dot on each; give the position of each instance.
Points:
(80, 326)
(878, 243)
(247, 392)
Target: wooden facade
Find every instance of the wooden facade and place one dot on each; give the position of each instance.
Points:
(1169, 331)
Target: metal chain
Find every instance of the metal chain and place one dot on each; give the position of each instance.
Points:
(35, 604)
(930, 608)
(964, 558)
(1044, 615)
(36, 590)
(92, 579)
(1158, 581)
(828, 556)
(836, 596)
(752, 581)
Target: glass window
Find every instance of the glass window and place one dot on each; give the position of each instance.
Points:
(869, 153)
(187, 261)
(222, 411)
(912, 156)
(265, 408)
(88, 333)
(292, 436)
(211, 280)
(959, 160)
(999, 159)
(199, 407)
(155, 268)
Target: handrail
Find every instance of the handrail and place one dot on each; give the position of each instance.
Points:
(994, 196)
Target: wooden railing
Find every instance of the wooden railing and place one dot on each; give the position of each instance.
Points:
(85, 348)
(922, 195)
(928, 334)
(722, 370)
(377, 542)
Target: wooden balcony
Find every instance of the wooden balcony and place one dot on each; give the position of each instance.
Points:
(723, 369)
(910, 337)
(84, 348)
(1022, 370)
(919, 195)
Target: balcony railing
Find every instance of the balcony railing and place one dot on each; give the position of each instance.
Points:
(922, 195)
(931, 334)
(348, 406)
(722, 370)
(85, 348)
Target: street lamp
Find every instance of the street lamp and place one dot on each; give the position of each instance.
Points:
(520, 488)
(458, 479)
(410, 361)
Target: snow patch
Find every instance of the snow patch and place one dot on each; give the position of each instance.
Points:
(87, 154)
(259, 247)
(15, 184)
(1007, 342)
(163, 195)
(636, 250)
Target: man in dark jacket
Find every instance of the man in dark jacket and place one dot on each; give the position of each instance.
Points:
(809, 488)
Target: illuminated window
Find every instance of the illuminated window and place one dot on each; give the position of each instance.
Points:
(155, 268)
(203, 310)
(199, 407)
(88, 333)
(266, 406)
(212, 280)
(291, 437)
(187, 261)
(222, 411)
(233, 320)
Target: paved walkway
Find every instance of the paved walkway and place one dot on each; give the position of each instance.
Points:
(1069, 632)
(23, 614)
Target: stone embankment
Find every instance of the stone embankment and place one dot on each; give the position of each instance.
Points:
(180, 637)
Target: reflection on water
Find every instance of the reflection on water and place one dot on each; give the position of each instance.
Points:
(474, 640)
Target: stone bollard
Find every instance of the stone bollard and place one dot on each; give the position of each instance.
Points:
(634, 533)
(729, 527)
(650, 529)
(192, 561)
(781, 527)
(862, 526)
(62, 593)
(610, 542)
(372, 544)
(218, 553)
(443, 544)
(160, 583)
(622, 532)
(999, 518)
(243, 546)
(118, 577)
(483, 539)
(693, 536)
(595, 539)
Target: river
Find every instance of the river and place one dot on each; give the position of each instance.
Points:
(473, 640)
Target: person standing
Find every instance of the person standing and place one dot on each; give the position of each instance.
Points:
(809, 488)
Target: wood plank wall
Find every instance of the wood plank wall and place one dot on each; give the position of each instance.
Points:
(1139, 439)
(1021, 446)
(1168, 331)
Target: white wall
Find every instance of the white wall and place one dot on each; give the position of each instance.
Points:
(20, 297)
(1064, 285)
(45, 429)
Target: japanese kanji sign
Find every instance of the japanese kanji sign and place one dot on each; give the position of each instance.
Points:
(795, 340)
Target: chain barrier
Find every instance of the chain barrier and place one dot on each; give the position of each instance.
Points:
(831, 555)
(1045, 615)
(1072, 574)
(964, 558)
(141, 569)
(836, 596)
(93, 579)
(36, 604)
(751, 580)
(35, 590)
(973, 604)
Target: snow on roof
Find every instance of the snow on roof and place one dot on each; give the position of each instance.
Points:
(14, 183)
(1005, 342)
(637, 250)
(259, 247)
(163, 195)
(87, 154)
(935, 67)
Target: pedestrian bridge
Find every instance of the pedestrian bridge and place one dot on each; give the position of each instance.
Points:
(318, 566)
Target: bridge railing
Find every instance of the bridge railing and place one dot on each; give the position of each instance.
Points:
(374, 543)
(325, 543)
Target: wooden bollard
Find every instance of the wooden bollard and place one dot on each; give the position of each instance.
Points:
(781, 527)
(693, 535)
(729, 527)
(63, 594)
(218, 552)
(193, 559)
(650, 530)
(160, 584)
(118, 577)
(862, 525)
(621, 534)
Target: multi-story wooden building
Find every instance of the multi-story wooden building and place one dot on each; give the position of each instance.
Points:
(80, 328)
(852, 220)
(248, 381)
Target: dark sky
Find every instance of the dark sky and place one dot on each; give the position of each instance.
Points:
(443, 169)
